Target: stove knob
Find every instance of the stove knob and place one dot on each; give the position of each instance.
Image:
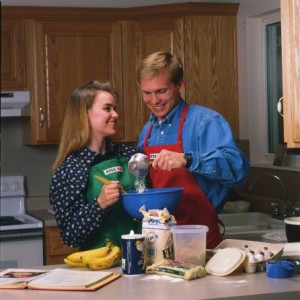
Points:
(4, 187)
(15, 186)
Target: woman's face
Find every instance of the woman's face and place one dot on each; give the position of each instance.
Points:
(102, 115)
(160, 94)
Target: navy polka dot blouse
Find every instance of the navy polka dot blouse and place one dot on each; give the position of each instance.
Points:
(76, 218)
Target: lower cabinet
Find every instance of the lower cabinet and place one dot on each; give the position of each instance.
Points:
(54, 250)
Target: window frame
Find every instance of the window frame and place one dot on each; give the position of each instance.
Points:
(257, 93)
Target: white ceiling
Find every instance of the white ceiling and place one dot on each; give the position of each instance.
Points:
(101, 3)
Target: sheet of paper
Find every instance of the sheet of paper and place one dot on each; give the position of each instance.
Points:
(64, 277)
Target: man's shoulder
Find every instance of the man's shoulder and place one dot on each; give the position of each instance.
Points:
(201, 111)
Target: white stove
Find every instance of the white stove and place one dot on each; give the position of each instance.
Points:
(21, 235)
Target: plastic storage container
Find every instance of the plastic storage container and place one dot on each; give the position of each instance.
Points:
(190, 243)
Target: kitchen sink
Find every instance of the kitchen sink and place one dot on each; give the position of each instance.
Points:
(250, 225)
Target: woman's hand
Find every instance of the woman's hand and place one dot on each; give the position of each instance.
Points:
(169, 160)
(109, 195)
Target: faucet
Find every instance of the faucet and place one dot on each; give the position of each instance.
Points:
(284, 212)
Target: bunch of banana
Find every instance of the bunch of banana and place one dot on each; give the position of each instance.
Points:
(107, 261)
(82, 258)
(74, 263)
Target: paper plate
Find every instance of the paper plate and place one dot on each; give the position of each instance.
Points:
(225, 261)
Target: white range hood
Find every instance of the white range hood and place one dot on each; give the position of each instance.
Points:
(15, 104)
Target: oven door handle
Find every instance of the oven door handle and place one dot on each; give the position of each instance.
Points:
(20, 235)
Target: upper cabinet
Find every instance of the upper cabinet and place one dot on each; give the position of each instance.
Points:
(141, 38)
(210, 57)
(66, 47)
(69, 53)
(290, 27)
(13, 55)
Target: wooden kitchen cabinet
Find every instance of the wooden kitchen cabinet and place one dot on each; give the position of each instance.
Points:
(290, 31)
(141, 38)
(13, 55)
(204, 36)
(70, 46)
(69, 53)
(54, 250)
(210, 59)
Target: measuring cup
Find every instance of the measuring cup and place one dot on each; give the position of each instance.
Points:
(139, 164)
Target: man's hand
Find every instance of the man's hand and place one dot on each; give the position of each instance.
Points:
(169, 160)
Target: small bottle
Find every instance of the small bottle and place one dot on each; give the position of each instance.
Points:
(250, 262)
(261, 263)
(259, 256)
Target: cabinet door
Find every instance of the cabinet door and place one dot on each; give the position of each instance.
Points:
(68, 54)
(144, 37)
(55, 251)
(290, 27)
(13, 54)
(211, 65)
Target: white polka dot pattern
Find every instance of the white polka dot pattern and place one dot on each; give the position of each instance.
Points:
(76, 218)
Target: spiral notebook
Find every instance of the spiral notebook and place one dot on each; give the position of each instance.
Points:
(56, 279)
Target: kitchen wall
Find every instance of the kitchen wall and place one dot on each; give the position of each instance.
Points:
(32, 161)
(35, 161)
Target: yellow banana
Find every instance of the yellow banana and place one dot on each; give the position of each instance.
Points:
(98, 252)
(107, 261)
(89, 256)
(74, 264)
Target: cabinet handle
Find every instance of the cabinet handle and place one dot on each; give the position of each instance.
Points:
(279, 106)
(42, 117)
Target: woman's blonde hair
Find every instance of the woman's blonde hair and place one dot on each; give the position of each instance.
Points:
(159, 62)
(76, 129)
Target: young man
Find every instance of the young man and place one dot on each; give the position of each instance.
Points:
(190, 146)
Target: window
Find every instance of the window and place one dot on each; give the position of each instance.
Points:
(274, 85)
(265, 90)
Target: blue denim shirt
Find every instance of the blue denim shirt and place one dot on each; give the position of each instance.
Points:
(218, 163)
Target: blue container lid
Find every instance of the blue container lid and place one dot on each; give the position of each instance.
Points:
(279, 269)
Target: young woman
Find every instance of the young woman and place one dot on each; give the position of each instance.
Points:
(87, 213)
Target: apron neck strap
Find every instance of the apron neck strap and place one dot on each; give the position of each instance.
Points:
(182, 119)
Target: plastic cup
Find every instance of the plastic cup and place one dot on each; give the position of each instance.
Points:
(190, 243)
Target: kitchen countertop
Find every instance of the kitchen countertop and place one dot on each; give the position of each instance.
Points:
(43, 215)
(149, 287)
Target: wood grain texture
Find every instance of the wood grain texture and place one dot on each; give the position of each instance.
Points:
(142, 38)
(290, 30)
(68, 56)
(54, 250)
(66, 47)
(13, 55)
(211, 65)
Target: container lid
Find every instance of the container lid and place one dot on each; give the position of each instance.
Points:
(225, 261)
(189, 228)
(292, 221)
(132, 236)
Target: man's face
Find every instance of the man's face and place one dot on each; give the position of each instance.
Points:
(160, 94)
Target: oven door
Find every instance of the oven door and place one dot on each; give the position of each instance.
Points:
(21, 249)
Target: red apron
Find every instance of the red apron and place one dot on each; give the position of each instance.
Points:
(194, 208)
